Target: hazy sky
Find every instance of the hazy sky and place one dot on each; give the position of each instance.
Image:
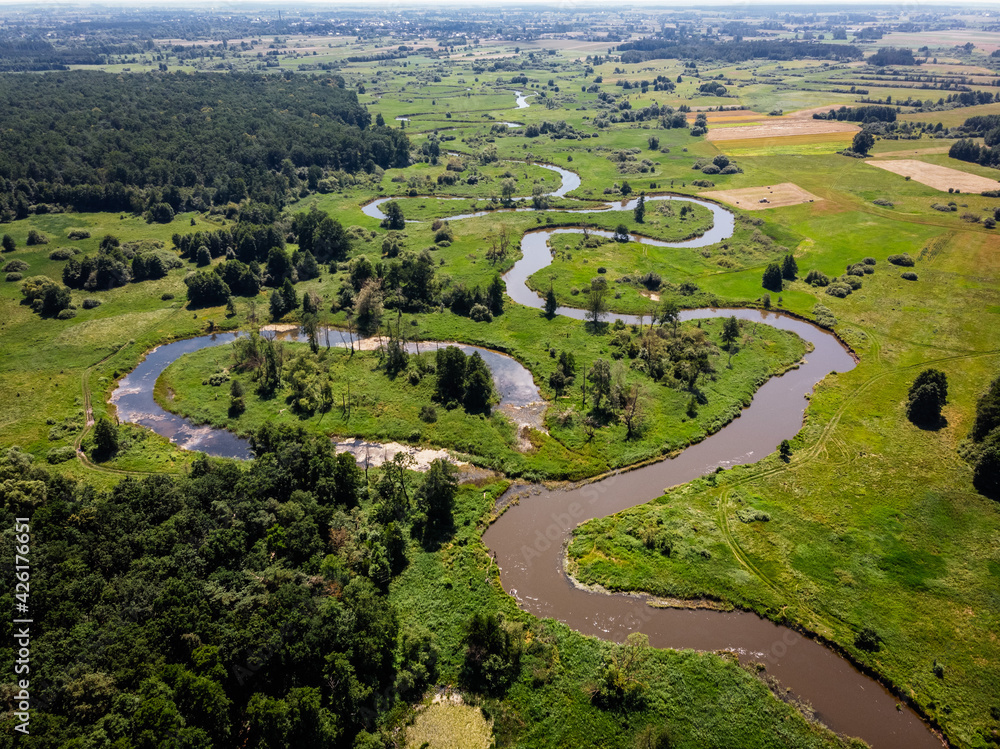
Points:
(565, 5)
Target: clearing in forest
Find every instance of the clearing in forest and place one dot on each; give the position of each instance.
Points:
(939, 177)
(765, 196)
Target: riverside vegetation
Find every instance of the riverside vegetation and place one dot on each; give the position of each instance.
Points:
(298, 599)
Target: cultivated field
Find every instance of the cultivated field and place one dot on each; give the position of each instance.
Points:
(939, 177)
(766, 196)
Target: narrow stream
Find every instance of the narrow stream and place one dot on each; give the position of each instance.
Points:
(529, 539)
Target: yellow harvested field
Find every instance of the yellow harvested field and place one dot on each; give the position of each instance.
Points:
(780, 127)
(773, 196)
(938, 177)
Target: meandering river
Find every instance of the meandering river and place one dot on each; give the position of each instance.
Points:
(529, 539)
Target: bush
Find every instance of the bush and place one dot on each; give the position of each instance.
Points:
(60, 454)
(824, 317)
(703, 183)
(428, 414)
(36, 237)
(817, 278)
(166, 297)
(883, 202)
(79, 234)
(14, 276)
(858, 269)
(909, 276)
(651, 281)
(91, 303)
(481, 313)
(710, 169)
(63, 253)
(839, 290)
(867, 639)
(904, 260)
(869, 261)
(731, 169)
(853, 281)
(66, 314)
(15, 266)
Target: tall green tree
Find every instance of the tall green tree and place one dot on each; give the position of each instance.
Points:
(597, 301)
(105, 439)
(478, 385)
(789, 268)
(551, 305)
(928, 395)
(772, 277)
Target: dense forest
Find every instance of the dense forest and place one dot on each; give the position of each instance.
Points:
(91, 141)
(237, 606)
(660, 49)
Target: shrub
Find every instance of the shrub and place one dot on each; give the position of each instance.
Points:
(90, 303)
(60, 454)
(703, 183)
(970, 217)
(883, 202)
(63, 253)
(428, 414)
(869, 261)
(909, 276)
(14, 277)
(731, 169)
(166, 297)
(817, 278)
(481, 313)
(79, 234)
(15, 266)
(858, 269)
(903, 259)
(867, 639)
(36, 237)
(824, 317)
(710, 169)
(66, 314)
(651, 281)
(853, 281)
(839, 290)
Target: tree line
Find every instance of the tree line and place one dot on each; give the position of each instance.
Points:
(734, 51)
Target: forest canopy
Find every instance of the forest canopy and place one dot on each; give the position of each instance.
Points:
(661, 49)
(94, 142)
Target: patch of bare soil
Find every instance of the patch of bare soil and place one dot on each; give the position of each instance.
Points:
(374, 454)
